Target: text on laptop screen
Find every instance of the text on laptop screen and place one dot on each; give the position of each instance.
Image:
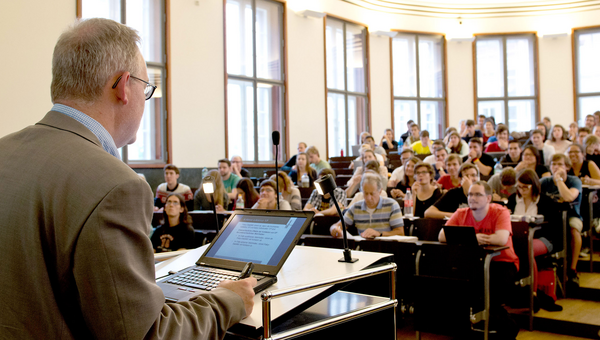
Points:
(260, 239)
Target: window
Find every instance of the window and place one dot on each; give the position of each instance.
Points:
(347, 99)
(506, 79)
(418, 83)
(148, 18)
(255, 78)
(587, 74)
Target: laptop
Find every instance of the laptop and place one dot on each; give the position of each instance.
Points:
(264, 237)
(460, 235)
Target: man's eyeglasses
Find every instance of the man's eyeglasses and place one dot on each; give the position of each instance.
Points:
(148, 91)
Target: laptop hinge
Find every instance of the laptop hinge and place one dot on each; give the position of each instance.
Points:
(266, 273)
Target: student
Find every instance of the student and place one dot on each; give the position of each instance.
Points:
(457, 145)
(531, 159)
(288, 191)
(171, 186)
(302, 168)
(503, 184)
(354, 182)
(405, 135)
(422, 146)
(452, 178)
(470, 131)
(408, 180)
(268, 197)
(484, 162)
(398, 173)
(513, 156)
(439, 166)
(573, 129)
(558, 139)
(582, 133)
(501, 144)
(315, 161)
(204, 201)
(587, 171)
(230, 179)
(249, 194)
(414, 135)
(176, 232)
(489, 130)
(323, 204)
(455, 198)
(387, 141)
(425, 193)
(590, 122)
(237, 167)
(289, 165)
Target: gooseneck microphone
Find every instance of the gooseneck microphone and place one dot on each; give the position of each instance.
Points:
(275, 137)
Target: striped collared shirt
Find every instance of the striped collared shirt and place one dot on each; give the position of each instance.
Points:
(386, 216)
(106, 140)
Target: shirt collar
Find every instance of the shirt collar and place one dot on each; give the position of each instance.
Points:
(106, 140)
(379, 205)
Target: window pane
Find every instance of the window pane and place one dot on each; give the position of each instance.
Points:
(336, 124)
(431, 113)
(588, 68)
(430, 67)
(404, 65)
(148, 144)
(268, 39)
(269, 120)
(404, 110)
(492, 108)
(239, 37)
(357, 116)
(521, 115)
(108, 9)
(240, 118)
(334, 42)
(490, 73)
(355, 44)
(519, 67)
(587, 106)
(146, 17)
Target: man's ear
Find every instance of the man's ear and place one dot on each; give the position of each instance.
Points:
(121, 88)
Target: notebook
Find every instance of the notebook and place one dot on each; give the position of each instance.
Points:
(264, 237)
(461, 235)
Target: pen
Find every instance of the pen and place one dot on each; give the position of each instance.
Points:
(247, 271)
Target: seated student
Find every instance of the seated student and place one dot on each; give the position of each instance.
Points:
(354, 181)
(455, 198)
(387, 141)
(470, 131)
(542, 127)
(398, 173)
(289, 165)
(489, 130)
(288, 191)
(374, 216)
(484, 162)
(246, 190)
(587, 171)
(529, 201)
(358, 196)
(323, 204)
(268, 197)
(176, 232)
(573, 129)
(425, 193)
(230, 179)
(302, 168)
(558, 140)
(171, 186)
(590, 122)
(501, 144)
(422, 146)
(565, 188)
(546, 151)
(358, 162)
(457, 145)
(481, 119)
(447, 133)
(405, 135)
(452, 178)
(582, 133)
(431, 159)
(378, 149)
(492, 227)
(531, 159)
(414, 135)
(315, 161)
(513, 156)
(237, 167)
(408, 180)
(439, 166)
(591, 144)
(204, 201)
(503, 184)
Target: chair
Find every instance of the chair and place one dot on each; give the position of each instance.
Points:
(587, 212)
(522, 238)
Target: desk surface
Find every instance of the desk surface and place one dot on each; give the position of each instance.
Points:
(305, 265)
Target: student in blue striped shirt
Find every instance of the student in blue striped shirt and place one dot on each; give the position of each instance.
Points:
(374, 216)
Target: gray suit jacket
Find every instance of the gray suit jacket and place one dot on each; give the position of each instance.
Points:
(77, 261)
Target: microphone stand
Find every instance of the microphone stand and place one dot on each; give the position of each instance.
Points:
(347, 255)
(277, 172)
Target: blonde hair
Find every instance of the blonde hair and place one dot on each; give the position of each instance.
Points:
(285, 182)
(220, 193)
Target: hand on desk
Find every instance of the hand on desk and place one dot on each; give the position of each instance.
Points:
(336, 231)
(243, 288)
(370, 233)
(483, 239)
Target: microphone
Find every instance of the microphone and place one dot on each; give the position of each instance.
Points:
(275, 136)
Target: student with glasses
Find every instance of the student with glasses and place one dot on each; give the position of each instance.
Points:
(176, 232)
(268, 197)
(425, 192)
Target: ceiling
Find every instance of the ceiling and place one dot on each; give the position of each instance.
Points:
(481, 8)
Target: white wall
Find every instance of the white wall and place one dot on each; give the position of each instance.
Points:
(197, 67)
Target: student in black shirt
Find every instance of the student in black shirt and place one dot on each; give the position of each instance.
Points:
(484, 162)
(513, 156)
(471, 132)
(455, 198)
(176, 233)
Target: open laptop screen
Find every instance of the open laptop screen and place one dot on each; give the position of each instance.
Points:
(264, 240)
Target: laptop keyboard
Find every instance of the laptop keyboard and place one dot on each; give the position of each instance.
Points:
(206, 278)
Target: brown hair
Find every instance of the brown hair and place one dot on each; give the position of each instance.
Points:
(564, 133)
(184, 218)
(246, 185)
(458, 148)
(171, 167)
(428, 167)
(528, 176)
(220, 192)
(508, 177)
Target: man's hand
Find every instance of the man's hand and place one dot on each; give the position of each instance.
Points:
(483, 238)
(416, 186)
(336, 231)
(465, 182)
(472, 155)
(219, 208)
(262, 204)
(440, 165)
(370, 233)
(559, 176)
(243, 288)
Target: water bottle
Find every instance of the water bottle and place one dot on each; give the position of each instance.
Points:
(400, 143)
(204, 172)
(305, 183)
(239, 204)
(342, 152)
(497, 168)
(408, 204)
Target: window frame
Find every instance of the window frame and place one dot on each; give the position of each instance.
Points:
(284, 134)
(345, 92)
(443, 118)
(506, 98)
(165, 130)
(575, 32)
